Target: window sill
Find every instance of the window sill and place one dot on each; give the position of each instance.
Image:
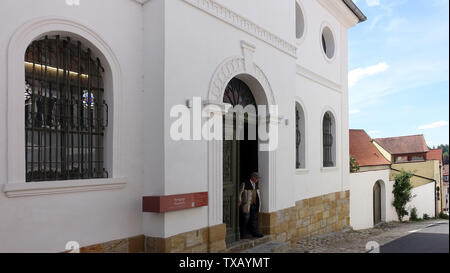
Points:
(60, 187)
(301, 171)
(329, 169)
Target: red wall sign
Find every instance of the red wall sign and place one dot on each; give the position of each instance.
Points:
(162, 204)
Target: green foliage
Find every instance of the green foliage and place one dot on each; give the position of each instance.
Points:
(402, 193)
(445, 158)
(426, 217)
(445, 148)
(354, 166)
(413, 215)
(445, 152)
(442, 215)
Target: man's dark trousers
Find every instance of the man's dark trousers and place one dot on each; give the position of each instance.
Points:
(251, 220)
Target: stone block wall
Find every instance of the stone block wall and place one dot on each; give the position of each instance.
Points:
(128, 245)
(318, 215)
(314, 216)
(211, 239)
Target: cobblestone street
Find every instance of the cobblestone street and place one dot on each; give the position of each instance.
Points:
(351, 241)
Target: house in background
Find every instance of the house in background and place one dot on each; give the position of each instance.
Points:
(436, 156)
(410, 153)
(370, 187)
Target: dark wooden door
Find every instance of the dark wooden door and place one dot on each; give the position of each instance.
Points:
(236, 93)
(231, 189)
(377, 204)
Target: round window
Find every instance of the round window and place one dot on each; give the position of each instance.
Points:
(300, 21)
(328, 43)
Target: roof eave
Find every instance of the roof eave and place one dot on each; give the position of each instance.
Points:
(358, 13)
(408, 153)
(377, 165)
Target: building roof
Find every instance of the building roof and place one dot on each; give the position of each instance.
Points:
(363, 150)
(435, 154)
(352, 6)
(445, 170)
(404, 144)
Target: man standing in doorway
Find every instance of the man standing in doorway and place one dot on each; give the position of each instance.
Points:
(250, 204)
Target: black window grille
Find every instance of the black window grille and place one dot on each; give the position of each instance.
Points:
(238, 93)
(65, 112)
(327, 141)
(298, 137)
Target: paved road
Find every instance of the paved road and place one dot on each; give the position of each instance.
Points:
(432, 239)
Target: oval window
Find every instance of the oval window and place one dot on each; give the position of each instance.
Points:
(299, 21)
(328, 44)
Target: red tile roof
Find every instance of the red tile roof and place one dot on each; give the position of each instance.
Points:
(435, 154)
(403, 145)
(445, 170)
(363, 150)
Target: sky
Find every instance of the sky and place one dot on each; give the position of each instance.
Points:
(399, 66)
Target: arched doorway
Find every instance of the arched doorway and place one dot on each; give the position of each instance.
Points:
(255, 78)
(240, 152)
(377, 218)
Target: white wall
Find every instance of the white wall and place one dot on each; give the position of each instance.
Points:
(310, 52)
(46, 223)
(196, 43)
(318, 77)
(168, 52)
(361, 198)
(423, 201)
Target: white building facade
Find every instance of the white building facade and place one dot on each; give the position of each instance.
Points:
(142, 58)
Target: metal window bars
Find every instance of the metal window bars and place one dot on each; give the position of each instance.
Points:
(327, 142)
(298, 137)
(65, 112)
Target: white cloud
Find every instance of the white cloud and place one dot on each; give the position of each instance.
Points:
(402, 76)
(358, 74)
(434, 125)
(355, 111)
(440, 3)
(374, 133)
(376, 20)
(397, 24)
(373, 3)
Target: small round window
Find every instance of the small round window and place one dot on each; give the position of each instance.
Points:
(328, 43)
(300, 21)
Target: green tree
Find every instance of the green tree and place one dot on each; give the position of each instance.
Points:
(402, 193)
(445, 152)
(354, 166)
(445, 158)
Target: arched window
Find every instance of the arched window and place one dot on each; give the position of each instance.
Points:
(243, 115)
(329, 140)
(299, 21)
(238, 93)
(300, 137)
(65, 111)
